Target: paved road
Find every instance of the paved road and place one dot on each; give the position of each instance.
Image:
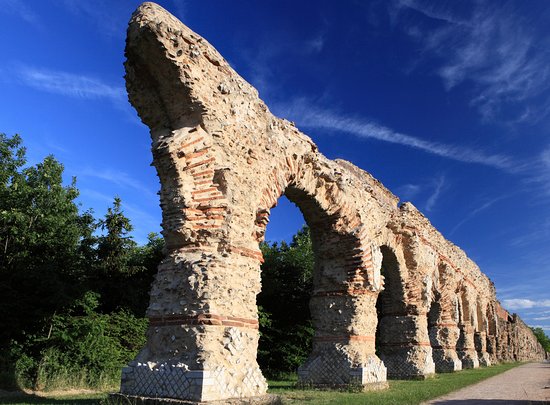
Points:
(527, 384)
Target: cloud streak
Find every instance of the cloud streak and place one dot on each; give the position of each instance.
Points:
(70, 84)
(19, 8)
(108, 17)
(495, 49)
(439, 185)
(525, 303)
(476, 211)
(119, 178)
(307, 115)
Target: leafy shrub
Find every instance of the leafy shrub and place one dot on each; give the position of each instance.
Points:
(82, 348)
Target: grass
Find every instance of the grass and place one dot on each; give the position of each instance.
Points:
(400, 392)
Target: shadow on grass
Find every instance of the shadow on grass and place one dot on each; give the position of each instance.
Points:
(21, 398)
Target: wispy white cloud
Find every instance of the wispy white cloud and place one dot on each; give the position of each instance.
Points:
(480, 207)
(408, 192)
(70, 84)
(119, 178)
(524, 303)
(19, 8)
(305, 114)
(439, 185)
(314, 45)
(494, 49)
(541, 171)
(436, 11)
(109, 17)
(143, 221)
(261, 68)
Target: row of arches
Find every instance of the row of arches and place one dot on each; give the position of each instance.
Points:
(382, 272)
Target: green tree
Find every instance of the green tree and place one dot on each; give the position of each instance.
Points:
(40, 230)
(285, 320)
(543, 339)
(73, 289)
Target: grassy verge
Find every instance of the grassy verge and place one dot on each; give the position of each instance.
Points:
(67, 398)
(400, 392)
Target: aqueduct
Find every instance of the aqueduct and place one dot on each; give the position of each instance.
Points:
(223, 161)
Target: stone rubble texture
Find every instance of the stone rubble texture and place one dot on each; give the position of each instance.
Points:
(223, 161)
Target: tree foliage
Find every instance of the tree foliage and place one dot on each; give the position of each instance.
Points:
(543, 339)
(73, 288)
(285, 320)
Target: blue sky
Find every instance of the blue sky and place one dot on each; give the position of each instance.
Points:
(447, 103)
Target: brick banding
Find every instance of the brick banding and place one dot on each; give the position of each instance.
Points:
(406, 344)
(345, 292)
(203, 319)
(345, 338)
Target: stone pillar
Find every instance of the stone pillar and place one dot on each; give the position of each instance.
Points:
(203, 333)
(343, 347)
(480, 342)
(492, 349)
(443, 337)
(405, 346)
(466, 347)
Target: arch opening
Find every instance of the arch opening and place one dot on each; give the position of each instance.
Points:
(391, 313)
(285, 324)
(342, 306)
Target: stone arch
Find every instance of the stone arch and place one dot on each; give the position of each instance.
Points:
(345, 279)
(465, 345)
(480, 335)
(390, 307)
(492, 331)
(442, 322)
(402, 329)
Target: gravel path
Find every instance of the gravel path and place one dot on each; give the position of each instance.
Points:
(527, 384)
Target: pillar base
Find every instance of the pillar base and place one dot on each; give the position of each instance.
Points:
(446, 361)
(333, 368)
(484, 359)
(171, 382)
(123, 399)
(410, 363)
(469, 359)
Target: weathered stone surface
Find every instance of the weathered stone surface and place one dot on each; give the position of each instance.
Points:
(223, 161)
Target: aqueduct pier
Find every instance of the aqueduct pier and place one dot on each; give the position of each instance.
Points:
(223, 161)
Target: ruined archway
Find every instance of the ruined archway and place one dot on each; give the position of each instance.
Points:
(392, 315)
(466, 345)
(443, 322)
(223, 161)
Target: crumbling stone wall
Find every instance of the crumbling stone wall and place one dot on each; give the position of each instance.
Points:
(223, 161)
